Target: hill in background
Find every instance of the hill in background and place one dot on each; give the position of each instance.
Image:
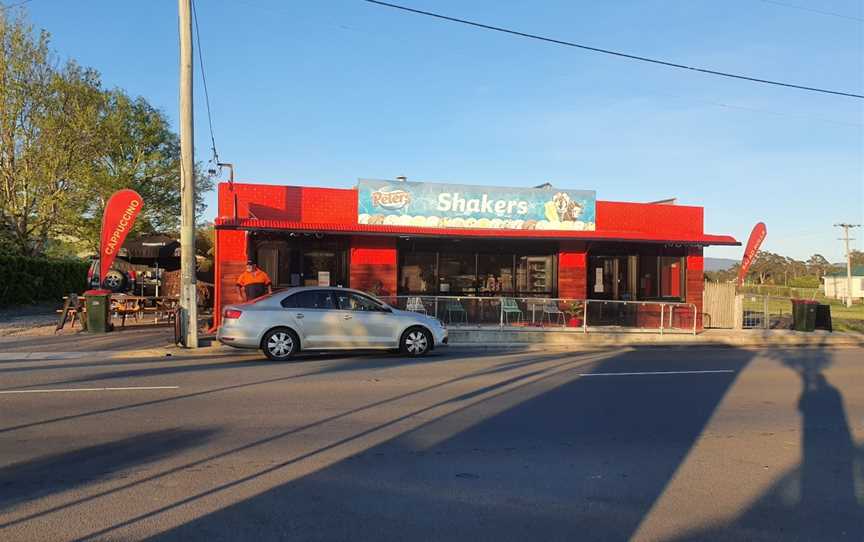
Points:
(719, 264)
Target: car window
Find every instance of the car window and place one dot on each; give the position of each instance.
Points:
(356, 302)
(309, 299)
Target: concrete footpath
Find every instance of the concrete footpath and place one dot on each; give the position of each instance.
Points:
(156, 342)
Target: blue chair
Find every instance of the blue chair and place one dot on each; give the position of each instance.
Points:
(453, 306)
(508, 307)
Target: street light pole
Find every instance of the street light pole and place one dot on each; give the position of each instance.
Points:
(846, 238)
(188, 298)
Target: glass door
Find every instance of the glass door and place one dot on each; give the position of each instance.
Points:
(608, 278)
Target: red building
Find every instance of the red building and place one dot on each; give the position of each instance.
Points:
(311, 236)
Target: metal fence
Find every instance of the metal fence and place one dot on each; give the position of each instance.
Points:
(552, 313)
(766, 312)
(778, 290)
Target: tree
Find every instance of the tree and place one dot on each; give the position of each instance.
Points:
(857, 257)
(138, 151)
(767, 265)
(818, 265)
(48, 121)
(66, 145)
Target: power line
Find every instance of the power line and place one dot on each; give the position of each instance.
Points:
(614, 53)
(204, 79)
(813, 10)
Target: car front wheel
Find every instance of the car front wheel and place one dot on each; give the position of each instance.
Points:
(416, 342)
(279, 344)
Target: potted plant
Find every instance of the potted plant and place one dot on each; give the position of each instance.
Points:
(575, 312)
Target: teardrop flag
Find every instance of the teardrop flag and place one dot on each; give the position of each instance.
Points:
(756, 237)
(119, 216)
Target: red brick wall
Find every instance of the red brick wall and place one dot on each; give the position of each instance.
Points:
(295, 203)
(373, 260)
(573, 270)
(339, 206)
(671, 220)
(695, 282)
(230, 261)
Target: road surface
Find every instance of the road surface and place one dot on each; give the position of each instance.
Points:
(643, 444)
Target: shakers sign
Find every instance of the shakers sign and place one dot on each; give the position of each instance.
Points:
(433, 205)
(119, 216)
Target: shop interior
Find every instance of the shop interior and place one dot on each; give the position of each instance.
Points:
(486, 267)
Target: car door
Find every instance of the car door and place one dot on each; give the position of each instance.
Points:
(315, 318)
(368, 323)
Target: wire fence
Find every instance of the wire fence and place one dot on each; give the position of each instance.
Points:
(775, 290)
(766, 312)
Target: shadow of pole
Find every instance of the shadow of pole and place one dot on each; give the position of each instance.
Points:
(817, 500)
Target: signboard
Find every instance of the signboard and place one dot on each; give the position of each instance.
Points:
(435, 205)
(323, 278)
(119, 216)
(756, 237)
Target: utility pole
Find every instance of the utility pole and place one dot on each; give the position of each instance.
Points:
(188, 282)
(846, 238)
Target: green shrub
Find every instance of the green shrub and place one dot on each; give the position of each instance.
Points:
(26, 280)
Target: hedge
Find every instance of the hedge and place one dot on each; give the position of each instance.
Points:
(25, 280)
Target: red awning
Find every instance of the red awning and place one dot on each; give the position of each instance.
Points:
(368, 229)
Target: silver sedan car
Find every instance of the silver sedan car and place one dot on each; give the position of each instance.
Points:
(316, 318)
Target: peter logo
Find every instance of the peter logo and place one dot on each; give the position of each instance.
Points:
(391, 199)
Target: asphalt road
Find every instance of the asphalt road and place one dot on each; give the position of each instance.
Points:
(643, 444)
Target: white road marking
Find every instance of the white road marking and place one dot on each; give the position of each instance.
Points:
(661, 373)
(62, 390)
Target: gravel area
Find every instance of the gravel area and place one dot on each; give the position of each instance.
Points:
(38, 319)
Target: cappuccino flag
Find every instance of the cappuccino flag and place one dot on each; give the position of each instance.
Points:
(119, 216)
(756, 238)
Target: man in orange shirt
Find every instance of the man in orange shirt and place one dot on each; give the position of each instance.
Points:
(253, 282)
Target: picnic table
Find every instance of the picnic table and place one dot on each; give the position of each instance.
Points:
(122, 306)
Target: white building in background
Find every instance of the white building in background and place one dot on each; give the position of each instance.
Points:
(835, 284)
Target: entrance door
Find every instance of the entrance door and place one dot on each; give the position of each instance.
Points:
(268, 260)
(322, 267)
(608, 278)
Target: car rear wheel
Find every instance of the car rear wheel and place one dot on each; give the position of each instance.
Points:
(416, 341)
(280, 344)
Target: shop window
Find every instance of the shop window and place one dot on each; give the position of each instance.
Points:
(535, 275)
(457, 273)
(417, 273)
(495, 273)
(647, 277)
(671, 272)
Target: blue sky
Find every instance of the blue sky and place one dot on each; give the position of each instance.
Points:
(323, 92)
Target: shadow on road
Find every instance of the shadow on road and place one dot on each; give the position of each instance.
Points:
(818, 500)
(36, 479)
(541, 454)
(558, 457)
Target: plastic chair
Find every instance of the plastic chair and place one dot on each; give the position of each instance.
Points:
(508, 307)
(415, 304)
(550, 309)
(454, 306)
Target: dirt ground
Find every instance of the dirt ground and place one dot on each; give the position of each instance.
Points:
(39, 319)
